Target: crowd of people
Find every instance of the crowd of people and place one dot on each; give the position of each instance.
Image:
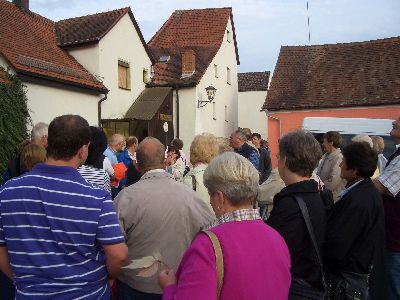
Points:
(86, 217)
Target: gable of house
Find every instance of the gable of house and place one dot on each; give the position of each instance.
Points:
(200, 32)
(28, 43)
(92, 28)
(336, 76)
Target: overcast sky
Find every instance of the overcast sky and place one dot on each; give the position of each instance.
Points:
(262, 26)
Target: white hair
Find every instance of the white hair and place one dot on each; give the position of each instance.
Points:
(234, 176)
(39, 131)
(363, 138)
(116, 138)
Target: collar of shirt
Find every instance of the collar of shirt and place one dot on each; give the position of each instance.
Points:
(132, 156)
(155, 171)
(345, 191)
(112, 150)
(247, 214)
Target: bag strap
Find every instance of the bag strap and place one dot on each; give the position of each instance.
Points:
(310, 229)
(194, 186)
(219, 260)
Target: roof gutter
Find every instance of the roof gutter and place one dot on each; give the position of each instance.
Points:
(59, 80)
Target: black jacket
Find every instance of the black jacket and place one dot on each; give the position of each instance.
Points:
(265, 164)
(356, 235)
(287, 219)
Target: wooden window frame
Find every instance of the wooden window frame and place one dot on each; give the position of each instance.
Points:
(126, 66)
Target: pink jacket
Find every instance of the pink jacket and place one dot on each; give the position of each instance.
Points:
(256, 265)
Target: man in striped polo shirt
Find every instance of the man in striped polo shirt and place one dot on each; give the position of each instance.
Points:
(59, 235)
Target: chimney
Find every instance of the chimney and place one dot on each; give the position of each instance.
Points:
(188, 63)
(22, 5)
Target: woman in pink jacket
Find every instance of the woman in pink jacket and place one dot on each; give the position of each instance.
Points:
(256, 260)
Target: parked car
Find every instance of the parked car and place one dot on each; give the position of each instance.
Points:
(349, 127)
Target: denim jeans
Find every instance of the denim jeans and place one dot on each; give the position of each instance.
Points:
(125, 292)
(7, 289)
(393, 270)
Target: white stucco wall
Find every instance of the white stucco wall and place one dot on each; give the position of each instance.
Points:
(249, 115)
(187, 113)
(121, 42)
(45, 103)
(226, 94)
(195, 120)
(88, 57)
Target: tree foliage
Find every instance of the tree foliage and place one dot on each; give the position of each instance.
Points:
(14, 118)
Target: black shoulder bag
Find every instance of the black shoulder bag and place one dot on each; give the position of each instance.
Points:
(300, 289)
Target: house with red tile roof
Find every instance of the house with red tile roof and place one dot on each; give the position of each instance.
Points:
(193, 50)
(351, 80)
(56, 83)
(95, 65)
(253, 88)
(110, 46)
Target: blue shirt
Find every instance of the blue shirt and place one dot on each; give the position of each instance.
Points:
(111, 155)
(53, 223)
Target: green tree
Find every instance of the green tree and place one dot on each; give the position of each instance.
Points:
(14, 118)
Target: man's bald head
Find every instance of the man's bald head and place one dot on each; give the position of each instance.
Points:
(150, 154)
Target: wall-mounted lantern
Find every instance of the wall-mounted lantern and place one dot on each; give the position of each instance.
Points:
(210, 95)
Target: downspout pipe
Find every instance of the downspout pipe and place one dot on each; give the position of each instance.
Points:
(177, 111)
(99, 108)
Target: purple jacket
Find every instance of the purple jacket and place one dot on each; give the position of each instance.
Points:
(256, 265)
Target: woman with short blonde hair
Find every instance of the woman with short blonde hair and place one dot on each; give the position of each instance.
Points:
(202, 150)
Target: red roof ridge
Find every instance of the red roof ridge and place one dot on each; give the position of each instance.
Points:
(96, 14)
(368, 42)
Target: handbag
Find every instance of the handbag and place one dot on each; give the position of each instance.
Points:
(301, 289)
(349, 286)
(219, 260)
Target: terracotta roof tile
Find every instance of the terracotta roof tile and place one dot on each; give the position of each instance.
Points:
(338, 75)
(201, 30)
(28, 43)
(253, 81)
(87, 29)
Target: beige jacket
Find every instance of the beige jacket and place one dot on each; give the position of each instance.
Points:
(158, 215)
(329, 172)
(197, 172)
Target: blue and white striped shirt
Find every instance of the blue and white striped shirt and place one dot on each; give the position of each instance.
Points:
(54, 224)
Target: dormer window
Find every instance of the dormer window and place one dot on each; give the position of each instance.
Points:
(228, 36)
(124, 77)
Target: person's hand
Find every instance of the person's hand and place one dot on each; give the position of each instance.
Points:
(166, 277)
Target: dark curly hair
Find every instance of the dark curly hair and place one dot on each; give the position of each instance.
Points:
(361, 157)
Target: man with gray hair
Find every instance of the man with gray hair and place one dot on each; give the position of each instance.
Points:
(115, 145)
(238, 141)
(39, 134)
(38, 137)
(159, 218)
